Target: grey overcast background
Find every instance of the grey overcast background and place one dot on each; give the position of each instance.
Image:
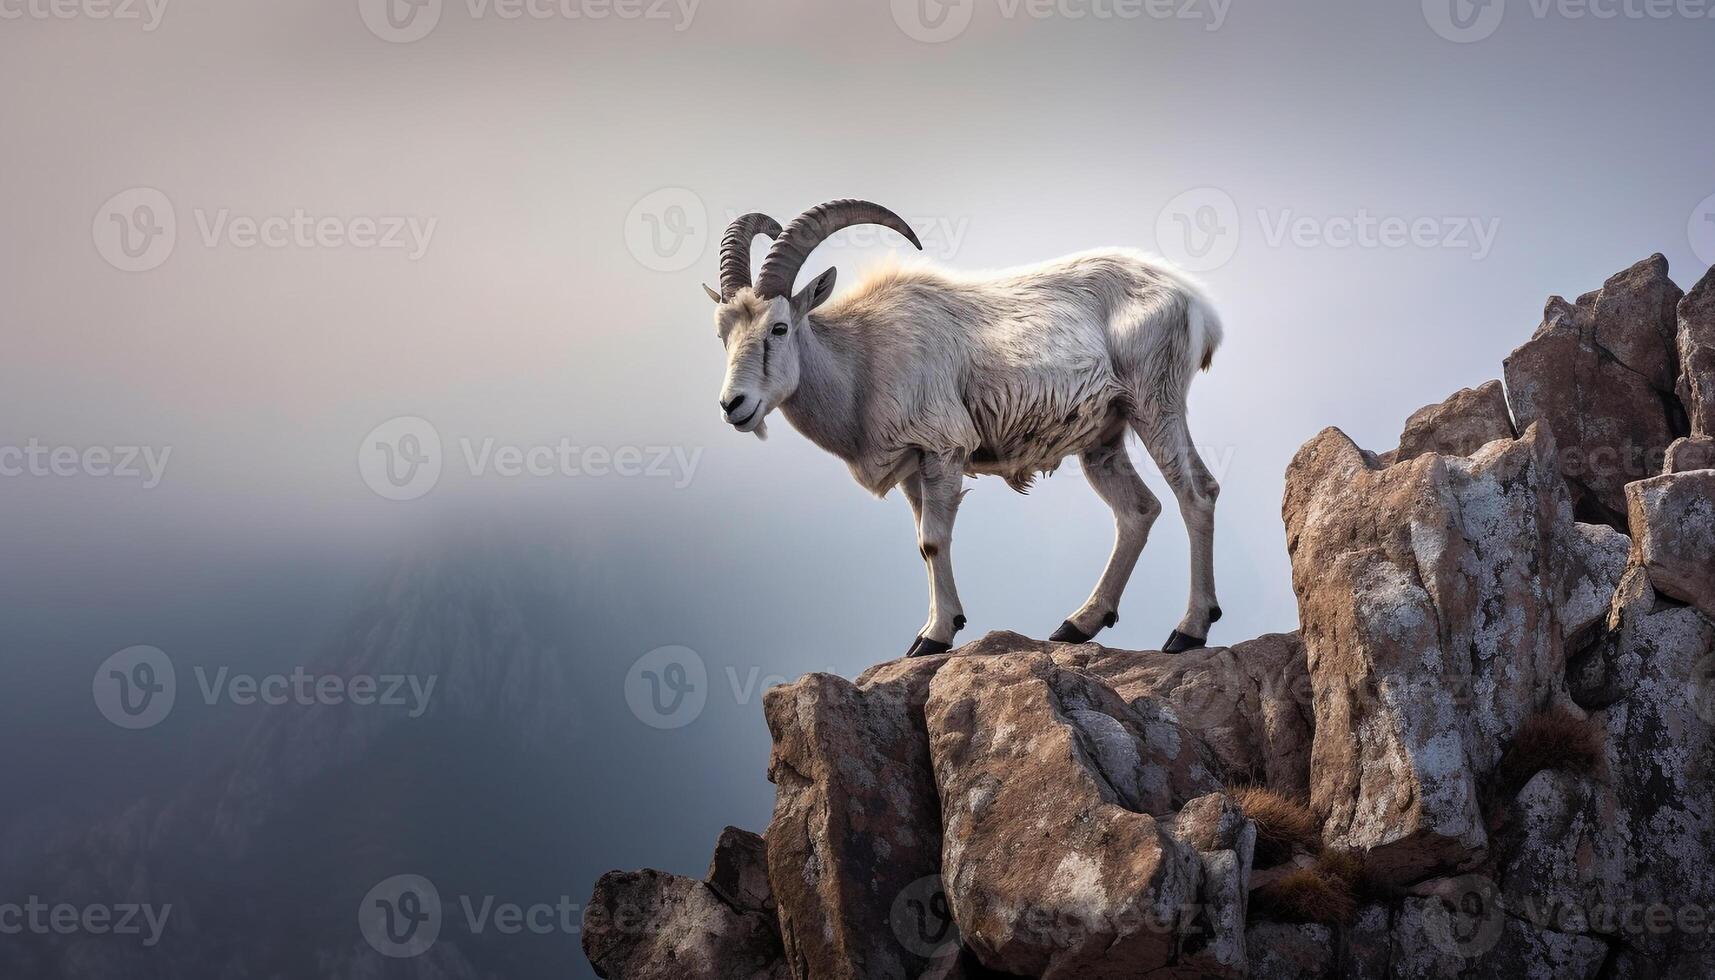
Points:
(262, 245)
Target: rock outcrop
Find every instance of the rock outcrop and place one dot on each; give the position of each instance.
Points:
(1488, 752)
(1602, 373)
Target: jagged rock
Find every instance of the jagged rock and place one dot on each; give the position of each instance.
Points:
(1051, 868)
(738, 872)
(1429, 595)
(1216, 827)
(1673, 535)
(1601, 373)
(1467, 421)
(1697, 355)
(1249, 704)
(1367, 951)
(856, 823)
(1593, 852)
(1594, 558)
(1211, 823)
(1467, 935)
(1287, 951)
(649, 925)
(1690, 453)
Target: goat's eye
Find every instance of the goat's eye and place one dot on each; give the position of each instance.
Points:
(779, 330)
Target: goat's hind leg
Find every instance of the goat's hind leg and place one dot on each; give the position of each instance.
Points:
(1168, 440)
(935, 492)
(1109, 470)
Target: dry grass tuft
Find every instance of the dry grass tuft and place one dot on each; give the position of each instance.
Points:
(1553, 739)
(1283, 825)
(1307, 895)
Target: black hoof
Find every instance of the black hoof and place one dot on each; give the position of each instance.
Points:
(959, 623)
(925, 647)
(1178, 642)
(1215, 615)
(1067, 633)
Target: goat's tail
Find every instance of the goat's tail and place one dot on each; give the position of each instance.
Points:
(1203, 330)
(1203, 325)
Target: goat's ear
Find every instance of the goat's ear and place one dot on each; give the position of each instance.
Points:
(816, 293)
(712, 294)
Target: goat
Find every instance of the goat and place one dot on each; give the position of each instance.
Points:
(920, 377)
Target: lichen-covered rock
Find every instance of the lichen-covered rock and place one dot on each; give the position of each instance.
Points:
(1211, 823)
(1367, 952)
(855, 824)
(649, 925)
(1697, 355)
(1225, 841)
(1429, 596)
(738, 872)
(1468, 420)
(1249, 704)
(1466, 934)
(1593, 559)
(1051, 866)
(1289, 951)
(1673, 535)
(1690, 453)
(1601, 373)
(1595, 854)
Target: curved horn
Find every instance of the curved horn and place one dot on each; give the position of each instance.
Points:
(735, 250)
(792, 247)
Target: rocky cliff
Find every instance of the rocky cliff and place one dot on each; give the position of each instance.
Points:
(1488, 752)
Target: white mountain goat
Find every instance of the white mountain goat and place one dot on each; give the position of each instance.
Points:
(919, 377)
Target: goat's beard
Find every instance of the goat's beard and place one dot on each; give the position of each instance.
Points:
(761, 430)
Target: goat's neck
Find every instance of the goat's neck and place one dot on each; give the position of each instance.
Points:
(825, 406)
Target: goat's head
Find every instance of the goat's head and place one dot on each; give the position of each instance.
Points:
(761, 325)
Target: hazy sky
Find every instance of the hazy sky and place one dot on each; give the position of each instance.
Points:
(243, 237)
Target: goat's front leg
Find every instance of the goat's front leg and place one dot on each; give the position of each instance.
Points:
(935, 491)
(1109, 470)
